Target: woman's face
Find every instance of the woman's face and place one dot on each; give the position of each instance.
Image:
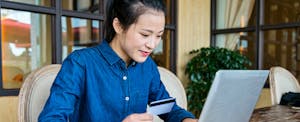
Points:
(140, 39)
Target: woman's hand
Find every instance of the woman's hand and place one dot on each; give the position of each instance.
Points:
(144, 117)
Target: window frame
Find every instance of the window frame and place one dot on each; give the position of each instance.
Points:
(258, 29)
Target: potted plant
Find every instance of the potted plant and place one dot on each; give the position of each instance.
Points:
(201, 70)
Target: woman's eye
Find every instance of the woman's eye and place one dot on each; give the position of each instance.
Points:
(144, 35)
(159, 36)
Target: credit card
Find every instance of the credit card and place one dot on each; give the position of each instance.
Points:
(161, 106)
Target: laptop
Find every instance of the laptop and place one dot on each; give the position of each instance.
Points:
(233, 95)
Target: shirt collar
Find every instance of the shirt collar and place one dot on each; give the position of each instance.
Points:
(108, 53)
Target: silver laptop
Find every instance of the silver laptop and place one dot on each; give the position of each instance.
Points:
(233, 95)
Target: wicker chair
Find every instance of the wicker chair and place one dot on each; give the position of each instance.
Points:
(35, 91)
(281, 81)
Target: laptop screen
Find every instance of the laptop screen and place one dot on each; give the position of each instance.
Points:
(233, 95)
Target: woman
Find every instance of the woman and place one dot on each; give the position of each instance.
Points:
(115, 80)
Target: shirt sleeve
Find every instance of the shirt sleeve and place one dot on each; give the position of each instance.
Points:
(65, 91)
(158, 91)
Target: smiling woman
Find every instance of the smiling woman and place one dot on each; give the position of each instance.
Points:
(115, 80)
(141, 38)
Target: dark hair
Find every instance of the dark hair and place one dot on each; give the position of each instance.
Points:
(127, 11)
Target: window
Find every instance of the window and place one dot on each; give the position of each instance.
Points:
(38, 33)
(267, 31)
(88, 6)
(78, 33)
(35, 33)
(46, 3)
(26, 45)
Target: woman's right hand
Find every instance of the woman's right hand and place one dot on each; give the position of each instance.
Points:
(143, 117)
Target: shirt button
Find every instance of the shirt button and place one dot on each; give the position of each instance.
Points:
(124, 78)
(127, 98)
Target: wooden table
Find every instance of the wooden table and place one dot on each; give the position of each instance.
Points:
(277, 113)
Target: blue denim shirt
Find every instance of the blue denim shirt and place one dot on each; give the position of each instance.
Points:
(94, 85)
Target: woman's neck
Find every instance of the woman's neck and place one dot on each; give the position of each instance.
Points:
(116, 46)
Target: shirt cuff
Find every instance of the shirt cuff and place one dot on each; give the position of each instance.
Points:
(180, 116)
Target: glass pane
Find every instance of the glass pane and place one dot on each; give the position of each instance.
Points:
(169, 11)
(26, 45)
(235, 14)
(78, 33)
(244, 42)
(89, 6)
(46, 3)
(161, 54)
(278, 11)
(282, 48)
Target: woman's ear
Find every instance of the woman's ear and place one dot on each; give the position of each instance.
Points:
(117, 25)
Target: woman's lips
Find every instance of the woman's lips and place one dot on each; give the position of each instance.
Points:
(145, 54)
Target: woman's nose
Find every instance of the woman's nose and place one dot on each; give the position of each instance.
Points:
(151, 43)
